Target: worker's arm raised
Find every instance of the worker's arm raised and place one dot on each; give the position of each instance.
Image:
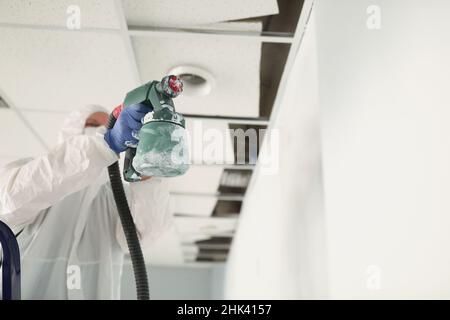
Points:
(27, 187)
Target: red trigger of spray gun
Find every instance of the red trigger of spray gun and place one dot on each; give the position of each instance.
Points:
(171, 85)
(176, 84)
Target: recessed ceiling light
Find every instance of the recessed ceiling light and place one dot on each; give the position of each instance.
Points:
(197, 82)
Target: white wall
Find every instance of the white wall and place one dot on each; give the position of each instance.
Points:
(218, 282)
(385, 104)
(278, 251)
(384, 143)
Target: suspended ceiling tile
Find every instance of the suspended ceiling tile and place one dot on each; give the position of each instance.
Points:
(198, 179)
(17, 140)
(193, 205)
(93, 13)
(194, 12)
(189, 238)
(205, 226)
(47, 124)
(233, 26)
(190, 252)
(234, 65)
(58, 70)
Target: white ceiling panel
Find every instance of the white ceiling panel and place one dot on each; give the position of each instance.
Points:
(234, 65)
(17, 140)
(190, 238)
(184, 13)
(190, 252)
(205, 226)
(47, 124)
(58, 70)
(193, 205)
(93, 13)
(198, 179)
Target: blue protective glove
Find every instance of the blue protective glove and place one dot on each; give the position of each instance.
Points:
(124, 134)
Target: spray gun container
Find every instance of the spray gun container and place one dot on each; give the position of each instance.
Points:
(162, 150)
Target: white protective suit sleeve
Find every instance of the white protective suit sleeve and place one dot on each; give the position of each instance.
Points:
(29, 186)
(149, 205)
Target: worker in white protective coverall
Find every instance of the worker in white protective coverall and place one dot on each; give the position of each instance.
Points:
(62, 208)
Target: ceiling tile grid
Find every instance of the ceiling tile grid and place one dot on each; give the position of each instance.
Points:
(233, 63)
(175, 13)
(63, 70)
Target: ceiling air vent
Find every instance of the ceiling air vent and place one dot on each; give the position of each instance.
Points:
(3, 104)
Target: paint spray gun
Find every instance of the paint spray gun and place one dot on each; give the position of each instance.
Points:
(162, 150)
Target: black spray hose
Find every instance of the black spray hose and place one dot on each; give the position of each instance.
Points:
(137, 259)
